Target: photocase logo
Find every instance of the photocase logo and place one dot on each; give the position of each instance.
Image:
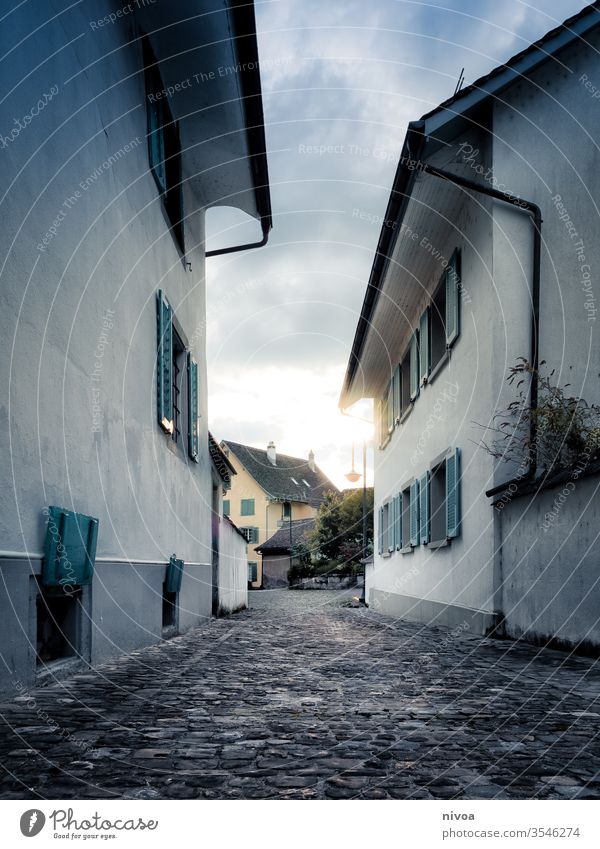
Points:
(32, 822)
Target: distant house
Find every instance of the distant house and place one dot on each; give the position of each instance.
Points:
(487, 254)
(277, 551)
(268, 491)
(108, 486)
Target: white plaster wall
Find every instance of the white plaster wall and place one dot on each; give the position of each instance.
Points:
(546, 144)
(462, 573)
(551, 574)
(112, 251)
(233, 569)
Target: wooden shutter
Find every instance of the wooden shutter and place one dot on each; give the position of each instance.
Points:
(398, 524)
(414, 366)
(164, 365)
(390, 407)
(453, 505)
(192, 371)
(380, 531)
(424, 358)
(414, 513)
(156, 142)
(453, 298)
(397, 380)
(424, 507)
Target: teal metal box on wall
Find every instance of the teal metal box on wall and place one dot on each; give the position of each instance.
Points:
(70, 549)
(174, 575)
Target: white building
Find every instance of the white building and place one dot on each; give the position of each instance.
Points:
(120, 125)
(490, 231)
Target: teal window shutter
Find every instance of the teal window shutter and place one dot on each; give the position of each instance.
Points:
(397, 381)
(453, 505)
(174, 575)
(399, 521)
(156, 142)
(164, 365)
(247, 507)
(424, 345)
(424, 507)
(380, 531)
(226, 507)
(69, 550)
(414, 513)
(414, 366)
(390, 406)
(453, 298)
(192, 371)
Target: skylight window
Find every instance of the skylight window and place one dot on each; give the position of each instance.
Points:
(306, 483)
(293, 480)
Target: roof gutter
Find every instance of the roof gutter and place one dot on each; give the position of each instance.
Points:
(244, 25)
(534, 211)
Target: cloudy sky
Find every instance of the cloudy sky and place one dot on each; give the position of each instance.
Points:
(340, 81)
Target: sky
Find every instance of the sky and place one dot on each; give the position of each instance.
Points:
(341, 80)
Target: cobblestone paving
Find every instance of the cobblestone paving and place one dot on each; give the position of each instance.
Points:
(301, 697)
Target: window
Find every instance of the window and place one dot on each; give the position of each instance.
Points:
(424, 347)
(251, 534)
(226, 507)
(438, 324)
(306, 483)
(440, 501)
(164, 148)
(405, 517)
(177, 381)
(293, 480)
(247, 507)
(178, 354)
(286, 510)
(252, 571)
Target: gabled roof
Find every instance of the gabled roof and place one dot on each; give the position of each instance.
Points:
(425, 136)
(292, 479)
(279, 543)
(221, 462)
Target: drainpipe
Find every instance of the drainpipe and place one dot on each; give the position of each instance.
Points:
(536, 217)
(266, 226)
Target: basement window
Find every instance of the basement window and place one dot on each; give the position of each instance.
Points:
(58, 617)
(169, 610)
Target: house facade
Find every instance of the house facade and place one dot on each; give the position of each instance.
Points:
(270, 490)
(109, 490)
(278, 551)
(487, 256)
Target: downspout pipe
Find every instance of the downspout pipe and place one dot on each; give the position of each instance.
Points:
(266, 226)
(536, 216)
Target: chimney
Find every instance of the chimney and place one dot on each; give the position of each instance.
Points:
(272, 453)
(311, 460)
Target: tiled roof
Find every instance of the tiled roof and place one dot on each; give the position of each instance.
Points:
(280, 541)
(292, 479)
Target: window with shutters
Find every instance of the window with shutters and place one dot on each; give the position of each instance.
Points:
(177, 383)
(445, 500)
(164, 147)
(405, 400)
(247, 507)
(226, 507)
(405, 517)
(251, 534)
(438, 325)
(438, 502)
(387, 528)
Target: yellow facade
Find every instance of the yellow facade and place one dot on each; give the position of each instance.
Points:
(267, 517)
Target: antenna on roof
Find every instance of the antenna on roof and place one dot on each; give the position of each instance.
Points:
(461, 79)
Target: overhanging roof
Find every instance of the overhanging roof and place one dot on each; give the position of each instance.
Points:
(208, 58)
(426, 136)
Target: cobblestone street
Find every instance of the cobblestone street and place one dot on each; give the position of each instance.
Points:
(303, 697)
